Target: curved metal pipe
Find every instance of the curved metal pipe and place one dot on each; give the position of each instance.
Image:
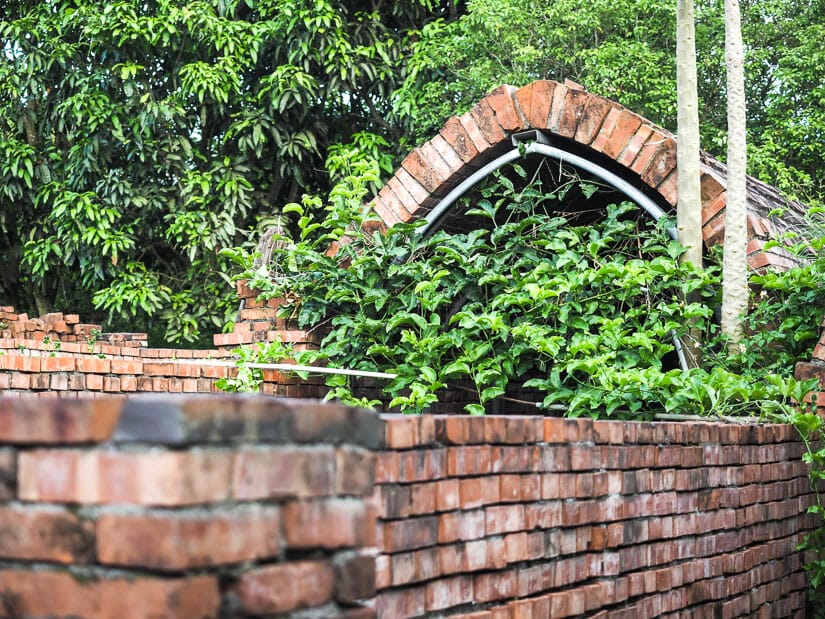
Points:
(537, 148)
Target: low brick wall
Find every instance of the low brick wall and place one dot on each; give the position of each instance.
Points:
(219, 506)
(196, 508)
(527, 517)
(56, 354)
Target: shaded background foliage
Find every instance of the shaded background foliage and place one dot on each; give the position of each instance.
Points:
(137, 139)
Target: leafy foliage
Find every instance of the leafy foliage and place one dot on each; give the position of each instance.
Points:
(139, 138)
(584, 314)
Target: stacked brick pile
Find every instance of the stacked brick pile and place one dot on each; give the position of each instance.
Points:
(185, 508)
(528, 517)
(18, 329)
(234, 507)
(258, 321)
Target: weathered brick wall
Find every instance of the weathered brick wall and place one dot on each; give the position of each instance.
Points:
(191, 508)
(527, 517)
(57, 355)
(230, 506)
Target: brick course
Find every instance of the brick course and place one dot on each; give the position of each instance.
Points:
(575, 517)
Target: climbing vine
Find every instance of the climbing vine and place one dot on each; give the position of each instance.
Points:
(583, 313)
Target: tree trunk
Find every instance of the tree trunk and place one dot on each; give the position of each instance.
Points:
(734, 263)
(689, 206)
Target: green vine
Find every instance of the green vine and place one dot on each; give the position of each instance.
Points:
(581, 313)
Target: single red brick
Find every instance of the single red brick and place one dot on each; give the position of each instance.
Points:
(447, 495)
(623, 132)
(147, 478)
(557, 107)
(57, 364)
(502, 104)
(383, 572)
(133, 597)
(449, 155)
(285, 587)
(470, 460)
(713, 231)
(402, 568)
(354, 471)
(594, 113)
(575, 102)
(470, 492)
(328, 523)
(510, 488)
(661, 164)
(400, 431)
(504, 519)
(485, 117)
(20, 363)
(355, 577)
(55, 421)
(421, 169)
(648, 150)
(711, 186)
(386, 467)
(535, 100)
(713, 207)
(453, 430)
(414, 465)
(634, 146)
(416, 189)
(465, 525)
(454, 134)
(267, 472)
(176, 541)
(422, 498)
(488, 587)
(38, 534)
(397, 204)
(469, 124)
(94, 365)
(449, 592)
(451, 559)
(21, 382)
(407, 602)
(387, 215)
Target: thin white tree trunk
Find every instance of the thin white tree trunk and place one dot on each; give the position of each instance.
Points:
(689, 206)
(734, 263)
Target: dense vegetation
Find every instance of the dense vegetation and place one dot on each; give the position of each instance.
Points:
(140, 138)
(589, 311)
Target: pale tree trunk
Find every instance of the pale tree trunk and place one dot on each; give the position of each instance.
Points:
(734, 264)
(689, 206)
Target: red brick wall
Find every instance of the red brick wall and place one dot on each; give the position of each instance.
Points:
(196, 506)
(58, 355)
(190, 508)
(602, 130)
(527, 517)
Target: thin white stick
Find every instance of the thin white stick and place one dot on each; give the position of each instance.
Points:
(287, 367)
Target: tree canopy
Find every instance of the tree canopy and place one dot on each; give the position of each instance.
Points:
(139, 138)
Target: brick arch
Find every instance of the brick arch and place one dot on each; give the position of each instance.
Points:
(598, 128)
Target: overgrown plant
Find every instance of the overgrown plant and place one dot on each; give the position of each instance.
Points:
(585, 311)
